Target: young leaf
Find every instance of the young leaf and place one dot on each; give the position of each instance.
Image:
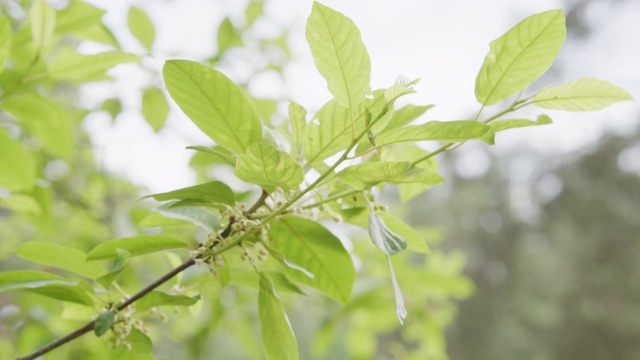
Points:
(405, 115)
(366, 175)
(5, 40)
(278, 340)
(254, 10)
(581, 95)
(312, 247)
(141, 27)
(213, 192)
(227, 36)
(339, 54)
(155, 108)
(43, 21)
(214, 103)
(104, 321)
(84, 21)
(72, 66)
(17, 165)
(520, 56)
(329, 133)
(268, 167)
(386, 240)
(198, 215)
(118, 266)
(157, 298)
(136, 245)
(410, 152)
(59, 256)
(44, 284)
(221, 153)
(298, 118)
(506, 124)
(445, 131)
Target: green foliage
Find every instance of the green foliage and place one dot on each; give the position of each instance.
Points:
(155, 108)
(278, 340)
(135, 245)
(141, 27)
(581, 95)
(269, 167)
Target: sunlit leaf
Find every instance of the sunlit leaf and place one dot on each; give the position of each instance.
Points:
(329, 133)
(21, 204)
(5, 40)
(445, 131)
(84, 21)
(214, 103)
(223, 155)
(43, 21)
(410, 152)
(298, 118)
(59, 256)
(198, 215)
(312, 247)
(278, 340)
(339, 54)
(520, 56)
(506, 124)
(72, 66)
(17, 165)
(141, 27)
(155, 108)
(365, 175)
(213, 192)
(104, 321)
(135, 245)
(44, 284)
(405, 115)
(227, 36)
(157, 298)
(581, 95)
(254, 10)
(268, 167)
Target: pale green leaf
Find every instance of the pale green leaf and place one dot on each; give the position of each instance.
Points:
(212, 192)
(43, 21)
(5, 40)
(58, 256)
(104, 321)
(268, 167)
(214, 103)
(141, 27)
(17, 165)
(506, 124)
(410, 152)
(21, 204)
(223, 155)
(77, 16)
(72, 66)
(140, 343)
(118, 265)
(581, 95)
(445, 131)
(155, 108)
(44, 284)
(198, 215)
(520, 56)
(310, 246)
(135, 245)
(112, 106)
(339, 54)
(278, 340)
(298, 119)
(366, 175)
(329, 133)
(386, 240)
(254, 10)
(402, 87)
(158, 298)
(405, 115)
(415, 241)
(227, 36)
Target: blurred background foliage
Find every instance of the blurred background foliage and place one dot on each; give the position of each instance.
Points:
(548, 242)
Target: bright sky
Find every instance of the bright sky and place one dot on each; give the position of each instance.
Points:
(441, 42)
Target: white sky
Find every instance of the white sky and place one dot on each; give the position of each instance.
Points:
(441, 42)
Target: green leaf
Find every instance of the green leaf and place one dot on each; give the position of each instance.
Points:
(386, 240)
(140, 343)
(118, 266)
(213, 192)
(5, 40)
(157, 298)
(104, 321)
(44, 284)
(84, 21)
(141, 27)
(198, 215)
(581, 95)
(308, 245)
(112, 106)
(405, 115)
(268, 167)
(254, 10)
(339, 54)
(366, 175)
(74, 67)
(221, 153)
(414, 241)
(214, 103)
(520, 56)
(58, 256)
(21, 204)
(410, 152)
(48, 121)
(136, 245)
(445, 131)
(155, 108)
(329, 133)
(278, 340)
(227, 36)
(298, 118)
(17, 165)
(506, 124)
(43, 21)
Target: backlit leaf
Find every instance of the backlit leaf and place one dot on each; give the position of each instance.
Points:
(254, 10)
(506, 124)
(104, 321)
(84, 21)
(366, 175)
(17, 165)
(5, 40)
(158, 298)
(135, 245)
(141, 27)
(520, 56)
(214, 103)
(445, 131)
(329, 133)
(227, 36)
(43, 21)
(213, 192)
(405, 115)
(312, 247)
(155, 108)
(72, 66)
(278, 340)
(581, 95)
(268, 167)
(339, 54)
(59, 256)
(298, 118)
